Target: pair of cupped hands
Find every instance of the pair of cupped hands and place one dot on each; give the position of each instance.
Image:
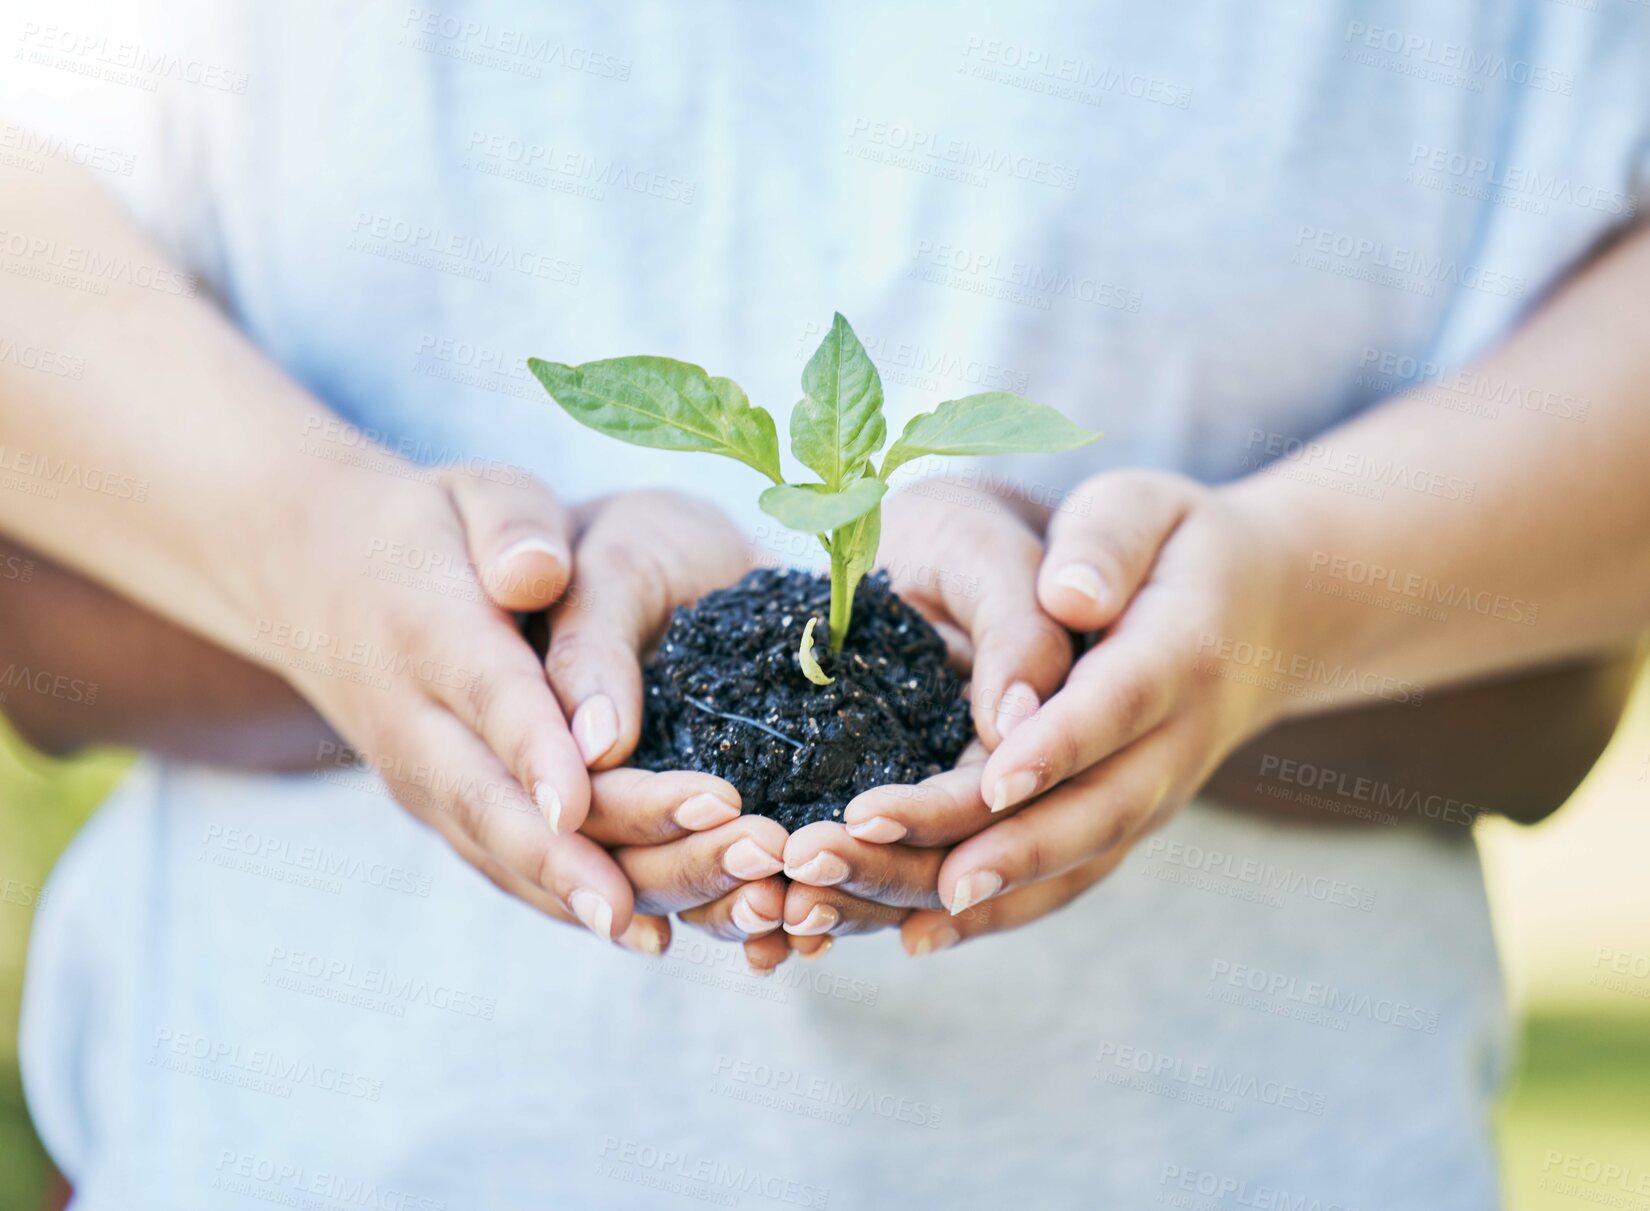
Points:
(1081, 635)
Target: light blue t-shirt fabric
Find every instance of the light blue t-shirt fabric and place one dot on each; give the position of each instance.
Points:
(1208, 231)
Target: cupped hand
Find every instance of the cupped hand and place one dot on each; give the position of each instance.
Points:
(1170, 575)
(678, 837)
(390, 610)
(969, 563)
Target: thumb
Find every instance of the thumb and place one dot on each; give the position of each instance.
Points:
(517, 534)
(1100, 553)
(641, 555)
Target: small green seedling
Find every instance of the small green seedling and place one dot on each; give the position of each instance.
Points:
(836, 430)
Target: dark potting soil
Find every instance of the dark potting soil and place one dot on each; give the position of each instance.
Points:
(725, 695)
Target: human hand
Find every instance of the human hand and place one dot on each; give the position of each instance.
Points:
(678, 837)
(969, 564)
(1159, 565)
(419, 666)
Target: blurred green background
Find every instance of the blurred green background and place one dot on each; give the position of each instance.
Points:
(1571, 901)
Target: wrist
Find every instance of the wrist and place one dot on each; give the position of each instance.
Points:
(1312, 637)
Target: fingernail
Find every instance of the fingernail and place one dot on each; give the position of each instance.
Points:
(758, 971)
(821, 870)
(595, 727)
(751, 921)
(549, 802)
(746, 859)
(878, 829)
(1083, 578)
(595, 912)
(1014, 788)
(971, 889)
(821, 918)
(935, 939)
(819, 951)
(1017, 704)
(705, 811)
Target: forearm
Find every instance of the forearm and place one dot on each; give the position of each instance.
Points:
(171, 448)
(85, 667)
(1558, 515)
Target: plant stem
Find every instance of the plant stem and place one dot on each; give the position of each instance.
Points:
(842, 601)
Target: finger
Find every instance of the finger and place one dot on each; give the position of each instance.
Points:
(829, 911)
(941, 810)
(749, 911)
(1098, 558)
(980, 565)
(642, 555)
(824, 855)
(810, 946)
(648, 936)
(499, 689)
(766, 953)
(459, 787)
(1121, 689)
(926, 932)
(518, 536)
(1099, 812)
(636, 807)
(701, 867)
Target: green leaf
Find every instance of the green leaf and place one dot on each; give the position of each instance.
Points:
(665, 404)
(813, 510)
(839, 424)
(805, 655)
(993, 422)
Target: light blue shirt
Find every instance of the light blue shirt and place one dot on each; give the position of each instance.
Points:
(1208, 232)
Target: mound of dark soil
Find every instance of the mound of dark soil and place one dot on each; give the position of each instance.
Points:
(725, 695)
